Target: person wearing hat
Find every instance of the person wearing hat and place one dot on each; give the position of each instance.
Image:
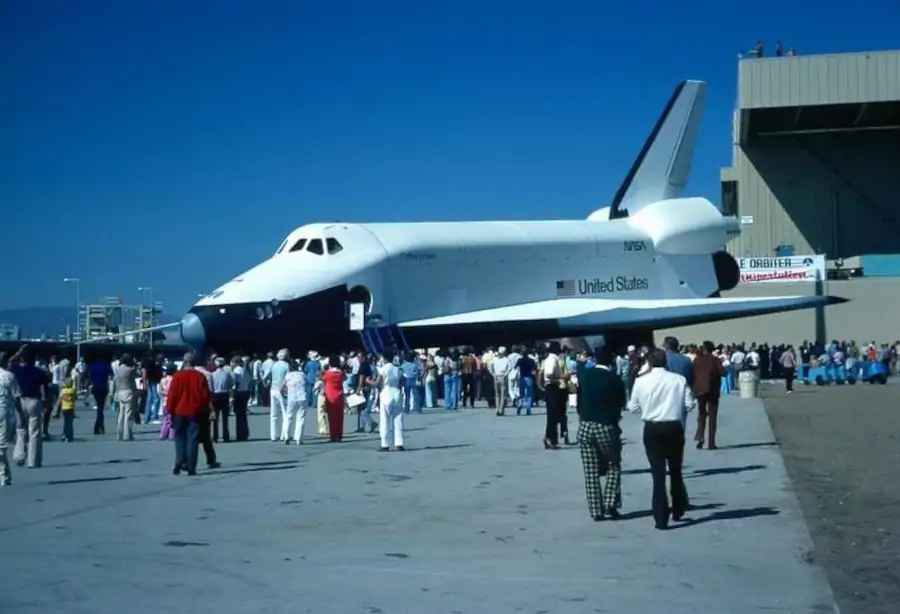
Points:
(500, 369)
(277, 400)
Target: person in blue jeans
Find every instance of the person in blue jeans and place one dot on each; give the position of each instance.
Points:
(151, 374)
(311, 370)
(412, 373)
(527, 368)
(451, 381)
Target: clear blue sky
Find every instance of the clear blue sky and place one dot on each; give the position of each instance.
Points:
(129, 128)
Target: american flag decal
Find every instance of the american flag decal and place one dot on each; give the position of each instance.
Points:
(565, 288)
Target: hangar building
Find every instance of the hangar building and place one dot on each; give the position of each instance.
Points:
(816, 170)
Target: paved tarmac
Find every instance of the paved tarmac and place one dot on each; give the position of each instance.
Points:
(474, 518)
(841, 445)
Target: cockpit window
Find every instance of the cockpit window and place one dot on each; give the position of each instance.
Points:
(281, 249)
(315, 247)
(333, 245)
(299, 245)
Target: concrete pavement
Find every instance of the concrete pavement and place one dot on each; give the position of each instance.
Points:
(474, 518)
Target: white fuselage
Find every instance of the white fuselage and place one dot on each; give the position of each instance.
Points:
(422, 270)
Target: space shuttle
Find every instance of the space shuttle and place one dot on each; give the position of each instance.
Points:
(652, 259)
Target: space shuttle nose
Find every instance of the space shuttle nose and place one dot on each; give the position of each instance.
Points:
(192, 332)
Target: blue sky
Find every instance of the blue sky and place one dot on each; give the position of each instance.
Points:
(174, 144)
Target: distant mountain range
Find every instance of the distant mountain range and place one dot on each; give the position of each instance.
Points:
(52, 321)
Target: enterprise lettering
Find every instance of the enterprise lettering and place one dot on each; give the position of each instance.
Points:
(619, 283)
(418, 256)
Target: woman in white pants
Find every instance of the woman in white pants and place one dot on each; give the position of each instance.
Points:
(390, 405)
(276, 376)
(294, 409)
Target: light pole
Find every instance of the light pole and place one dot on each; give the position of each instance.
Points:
(77, 282)
(149, 292)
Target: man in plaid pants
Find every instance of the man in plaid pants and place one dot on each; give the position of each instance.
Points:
(601, 399)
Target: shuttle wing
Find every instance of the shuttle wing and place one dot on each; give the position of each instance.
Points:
(580, 316)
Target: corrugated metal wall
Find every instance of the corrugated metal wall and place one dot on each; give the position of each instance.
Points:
(871, 315)
(837, 194)
(819, 79)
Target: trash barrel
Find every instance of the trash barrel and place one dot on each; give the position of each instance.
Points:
(748, 384)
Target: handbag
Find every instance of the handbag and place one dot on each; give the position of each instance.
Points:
(355, 400)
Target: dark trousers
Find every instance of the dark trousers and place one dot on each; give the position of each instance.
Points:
(205, 437)
(221, 407)
(789, 375)
(49, 404)
(68, 425)
(664, 444)
(100, 400)
(468, 389)
(241, 426)
(707, 411)
(557, 422)
(187, 435)
(487, 388)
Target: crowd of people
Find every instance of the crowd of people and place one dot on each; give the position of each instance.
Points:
(193, 400)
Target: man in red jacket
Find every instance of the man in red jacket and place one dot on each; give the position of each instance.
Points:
(188, 398)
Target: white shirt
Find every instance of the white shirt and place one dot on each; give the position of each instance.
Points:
(295, 384)
(57, 373)
(390, 375)
(550, 366)
(738, 358)
(353, 363)
(500, 366)
(752, 359)
(661, 396)
(9, 394)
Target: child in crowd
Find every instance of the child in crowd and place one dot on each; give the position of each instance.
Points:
(65, 404)
(166, 431)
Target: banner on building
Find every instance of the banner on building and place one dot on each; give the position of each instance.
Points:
(782, 270)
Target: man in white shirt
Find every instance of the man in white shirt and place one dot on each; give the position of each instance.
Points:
(500, 369)
(751, 361)
(663, 399)
(513, 378)
(256, 388)
(737, 358)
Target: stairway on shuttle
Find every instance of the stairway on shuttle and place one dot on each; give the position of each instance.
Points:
(376, 339)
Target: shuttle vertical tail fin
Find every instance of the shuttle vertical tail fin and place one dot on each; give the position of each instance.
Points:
(663, 165)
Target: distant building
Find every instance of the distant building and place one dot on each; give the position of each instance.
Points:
(10, 332)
